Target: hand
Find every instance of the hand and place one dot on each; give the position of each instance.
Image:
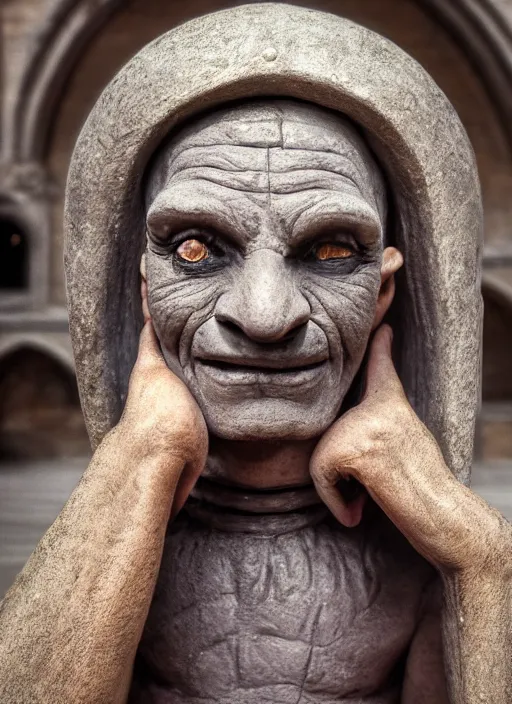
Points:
(383, 444)
(161, 418)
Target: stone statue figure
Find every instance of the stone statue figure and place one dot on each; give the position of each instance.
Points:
(272, 513)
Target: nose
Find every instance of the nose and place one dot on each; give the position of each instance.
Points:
(265, 301)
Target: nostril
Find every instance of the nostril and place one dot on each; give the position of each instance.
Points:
(232, 327)
(292, 334)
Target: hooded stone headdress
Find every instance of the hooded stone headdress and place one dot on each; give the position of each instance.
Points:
(280, 50)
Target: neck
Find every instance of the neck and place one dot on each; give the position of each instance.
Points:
(262, 488)
(260, 465)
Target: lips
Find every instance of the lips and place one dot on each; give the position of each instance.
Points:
(243, 373)
(269, 361)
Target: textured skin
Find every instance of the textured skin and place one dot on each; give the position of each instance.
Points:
(261, 186)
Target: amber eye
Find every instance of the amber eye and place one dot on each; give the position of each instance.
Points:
(333, 251)
(192, 251)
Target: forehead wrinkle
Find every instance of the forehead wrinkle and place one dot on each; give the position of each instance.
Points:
(243, 181)
(344, 164)
(277, 125)
(227, 157)
(236, 133)
(311, 180)
(264, 182)
(257, 169)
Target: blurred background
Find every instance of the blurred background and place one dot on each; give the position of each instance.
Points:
(56, 57)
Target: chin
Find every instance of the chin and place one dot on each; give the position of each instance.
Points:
(268, 420)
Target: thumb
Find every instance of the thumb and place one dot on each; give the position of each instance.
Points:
(150, 354)
(381, 376)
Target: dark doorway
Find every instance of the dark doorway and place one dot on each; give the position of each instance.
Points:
(13, 256)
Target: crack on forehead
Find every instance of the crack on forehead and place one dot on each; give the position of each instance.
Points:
(273, 124)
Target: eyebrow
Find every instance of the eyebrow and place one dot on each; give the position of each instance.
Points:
(167, 215)
(172, 213)
(361, 220)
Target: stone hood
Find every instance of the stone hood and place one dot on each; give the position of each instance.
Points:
(280, 50)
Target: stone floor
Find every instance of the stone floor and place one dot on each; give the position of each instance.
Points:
(31, 496)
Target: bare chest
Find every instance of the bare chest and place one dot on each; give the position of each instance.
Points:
(320, 614)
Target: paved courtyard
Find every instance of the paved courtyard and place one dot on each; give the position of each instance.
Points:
(31, 496)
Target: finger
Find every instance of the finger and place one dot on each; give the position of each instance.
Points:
(348, 513)
(381, 374)
(144, 296)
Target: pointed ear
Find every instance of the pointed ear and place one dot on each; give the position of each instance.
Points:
(143, 266)
(392, 260)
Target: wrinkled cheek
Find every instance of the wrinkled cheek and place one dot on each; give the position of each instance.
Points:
(168, 312)
(168, 324)
(178, 307)
(354, 323)
(350, 310)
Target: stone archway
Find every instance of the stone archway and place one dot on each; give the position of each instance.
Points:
(40, 415)
(479, 26)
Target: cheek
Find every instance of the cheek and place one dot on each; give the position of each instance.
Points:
(178, 305)
(347, 306)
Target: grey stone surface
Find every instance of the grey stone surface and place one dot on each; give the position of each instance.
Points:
(266, 187)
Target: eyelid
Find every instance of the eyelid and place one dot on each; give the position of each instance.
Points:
(347, 239)
(339, 238)
(193, 233)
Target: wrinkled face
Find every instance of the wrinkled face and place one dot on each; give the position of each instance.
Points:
(265, 228)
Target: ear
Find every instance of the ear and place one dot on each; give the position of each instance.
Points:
(144, 290)
(392, 260)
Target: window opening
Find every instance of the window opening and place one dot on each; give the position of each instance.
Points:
(13, 256)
